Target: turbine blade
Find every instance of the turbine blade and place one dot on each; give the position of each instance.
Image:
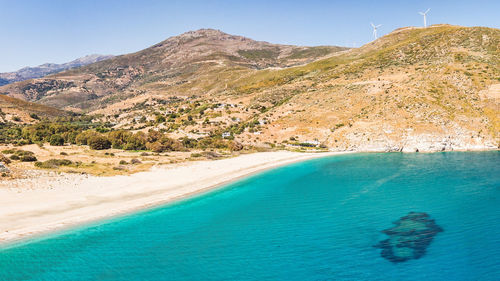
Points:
(427, 10)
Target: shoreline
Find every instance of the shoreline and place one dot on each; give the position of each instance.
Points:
(69, 201)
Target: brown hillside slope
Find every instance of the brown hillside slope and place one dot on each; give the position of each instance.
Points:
(11, 107)
(428, 89)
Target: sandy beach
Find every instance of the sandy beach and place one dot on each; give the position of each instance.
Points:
(34, 207)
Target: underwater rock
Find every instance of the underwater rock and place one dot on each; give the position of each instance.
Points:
(410, 237)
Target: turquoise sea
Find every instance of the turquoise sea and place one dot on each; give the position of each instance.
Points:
(315, 220)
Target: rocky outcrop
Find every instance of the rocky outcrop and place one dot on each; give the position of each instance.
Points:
(4, 169)
(451, 140)
(410, 237)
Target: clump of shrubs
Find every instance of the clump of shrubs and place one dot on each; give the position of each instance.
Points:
(53, 163)
(119, 168)
(100, 136)
(135, 161)
(158, 142)
(22, 155)
(127, 140)
(28, 158)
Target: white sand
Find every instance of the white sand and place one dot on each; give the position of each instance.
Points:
(69, 200)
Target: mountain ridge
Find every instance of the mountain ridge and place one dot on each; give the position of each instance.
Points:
(27, 73)
(173, 61)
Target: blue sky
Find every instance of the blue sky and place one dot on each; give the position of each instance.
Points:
(35, 32)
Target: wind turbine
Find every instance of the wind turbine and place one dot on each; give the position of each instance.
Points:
(425, 16)
(375, 29)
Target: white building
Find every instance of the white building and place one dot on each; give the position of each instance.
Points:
(313, 142)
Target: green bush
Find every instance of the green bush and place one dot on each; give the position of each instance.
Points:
(14, 157)
(126, 140)
(22, 154)
(160, 119)
(28, 158)
(84, 137)
(166, 144)
(99, 142)
(53, 163)
(136, 142)
(56, 140)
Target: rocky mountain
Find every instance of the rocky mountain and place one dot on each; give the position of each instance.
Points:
(189, 62)
(48, 68)
(415, 89)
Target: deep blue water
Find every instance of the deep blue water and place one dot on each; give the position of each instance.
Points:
(316, 220)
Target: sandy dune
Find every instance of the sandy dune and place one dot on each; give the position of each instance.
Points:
(47, 205)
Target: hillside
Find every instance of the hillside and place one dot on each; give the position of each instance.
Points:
(186, 63)
(46, 69)
(25, 111)
(415, 89)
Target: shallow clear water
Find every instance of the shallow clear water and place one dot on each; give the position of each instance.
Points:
(316, 220)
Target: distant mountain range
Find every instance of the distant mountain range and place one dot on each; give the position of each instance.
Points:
(48, 68)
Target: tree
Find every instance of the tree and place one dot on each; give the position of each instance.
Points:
(136, 142)
(56, 140)
(118, 138)
(99, 142)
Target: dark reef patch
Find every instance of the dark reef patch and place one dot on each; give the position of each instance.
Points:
(410, 237)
